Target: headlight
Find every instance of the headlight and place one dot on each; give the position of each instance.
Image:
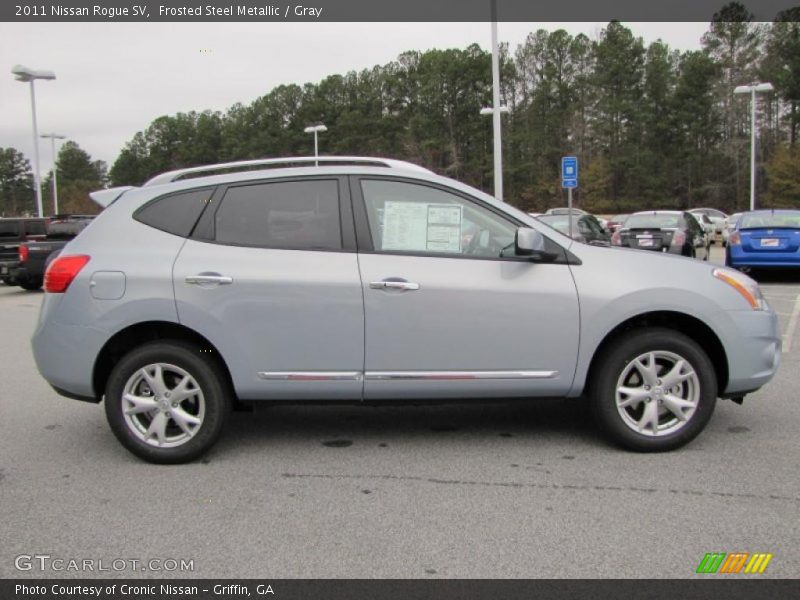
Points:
(744, 285)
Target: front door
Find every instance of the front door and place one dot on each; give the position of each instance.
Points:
(449, 310)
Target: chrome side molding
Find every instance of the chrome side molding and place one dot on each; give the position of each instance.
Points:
(455, 375)
(311, 375)
(402, 375)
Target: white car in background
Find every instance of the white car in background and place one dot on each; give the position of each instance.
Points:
(717, 218)
(730, 225)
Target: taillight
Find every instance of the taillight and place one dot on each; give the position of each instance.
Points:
(62, 271)
(616, 239)
(678, 238)
(23, 253)
(734, 239)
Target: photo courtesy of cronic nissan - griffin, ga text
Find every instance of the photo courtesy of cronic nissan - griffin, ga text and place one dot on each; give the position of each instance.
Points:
(371, 280)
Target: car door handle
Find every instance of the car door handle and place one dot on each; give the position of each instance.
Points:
(200, 279)
(394, 285)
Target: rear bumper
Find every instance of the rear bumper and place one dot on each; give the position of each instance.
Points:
(65, 354)
(763, 259)
(7, 267)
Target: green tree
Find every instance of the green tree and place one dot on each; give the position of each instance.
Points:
(16, 184)
(617, 119)
(733, 43)
(78, 175)
(783, 177)
(782, 65)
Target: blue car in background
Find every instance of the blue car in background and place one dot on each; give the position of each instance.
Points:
(765, 239)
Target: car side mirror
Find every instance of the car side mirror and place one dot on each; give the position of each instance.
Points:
(529, 242)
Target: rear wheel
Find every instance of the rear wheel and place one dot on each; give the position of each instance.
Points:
(31, 284)
(166, 402)
(653, 390)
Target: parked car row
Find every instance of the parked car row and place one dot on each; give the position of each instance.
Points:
(762, 239)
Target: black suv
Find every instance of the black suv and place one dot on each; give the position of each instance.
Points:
(13, 232)
(34, 257)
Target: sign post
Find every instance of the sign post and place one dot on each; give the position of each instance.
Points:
(569, 180)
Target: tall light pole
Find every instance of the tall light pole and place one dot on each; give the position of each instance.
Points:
(53, 137)
(752, 89)
(496, 109)
(30, 75)
(316, 129)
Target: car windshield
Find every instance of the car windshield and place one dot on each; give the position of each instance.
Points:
(784, 219)
(9, 229)
(653, 221)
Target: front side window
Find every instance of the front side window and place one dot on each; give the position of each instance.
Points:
(294, 215)
(407, 217)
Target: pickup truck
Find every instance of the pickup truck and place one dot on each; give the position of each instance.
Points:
(34, 257)
(14, 232)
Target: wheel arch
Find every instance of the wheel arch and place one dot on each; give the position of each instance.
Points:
(135, 335)
(690, 326)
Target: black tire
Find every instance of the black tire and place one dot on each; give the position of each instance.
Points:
(31, 284)
(214, 398)
(612, 366)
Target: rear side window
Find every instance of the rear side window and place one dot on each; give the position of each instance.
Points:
(35, 228)
(176, 213)
(294, 215)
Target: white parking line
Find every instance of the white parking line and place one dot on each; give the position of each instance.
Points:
(787, 337)
(770, 296)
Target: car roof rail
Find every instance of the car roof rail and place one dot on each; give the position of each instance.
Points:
(282, 163)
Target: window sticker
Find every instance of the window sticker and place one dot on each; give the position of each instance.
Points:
(416, 226)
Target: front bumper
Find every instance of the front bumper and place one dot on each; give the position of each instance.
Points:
(753, 346)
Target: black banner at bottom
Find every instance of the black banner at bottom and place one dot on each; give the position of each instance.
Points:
(394, 589)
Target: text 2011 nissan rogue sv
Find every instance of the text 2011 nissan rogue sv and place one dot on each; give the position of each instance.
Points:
(367, 279)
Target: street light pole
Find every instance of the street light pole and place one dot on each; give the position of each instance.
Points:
(752, 89)
(27, 75)
(53, 137)
(496, 109)
(316, 129)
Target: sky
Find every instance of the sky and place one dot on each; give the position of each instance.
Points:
(113, 79)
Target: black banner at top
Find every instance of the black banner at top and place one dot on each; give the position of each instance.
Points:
(378, 10)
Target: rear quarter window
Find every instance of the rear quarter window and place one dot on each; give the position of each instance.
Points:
(176, 213)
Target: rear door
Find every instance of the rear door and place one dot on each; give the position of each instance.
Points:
(271, 278)
(449, 311)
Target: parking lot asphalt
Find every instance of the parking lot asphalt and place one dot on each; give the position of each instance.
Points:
(488, 490)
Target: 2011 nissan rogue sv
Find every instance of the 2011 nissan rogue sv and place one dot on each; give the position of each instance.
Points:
(365, 279)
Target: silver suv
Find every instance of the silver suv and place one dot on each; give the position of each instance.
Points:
(365, 279)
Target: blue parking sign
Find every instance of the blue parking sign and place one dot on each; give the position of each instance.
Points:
(569, 171)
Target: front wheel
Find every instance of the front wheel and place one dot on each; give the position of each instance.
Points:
(653, 390)
(166, 402)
